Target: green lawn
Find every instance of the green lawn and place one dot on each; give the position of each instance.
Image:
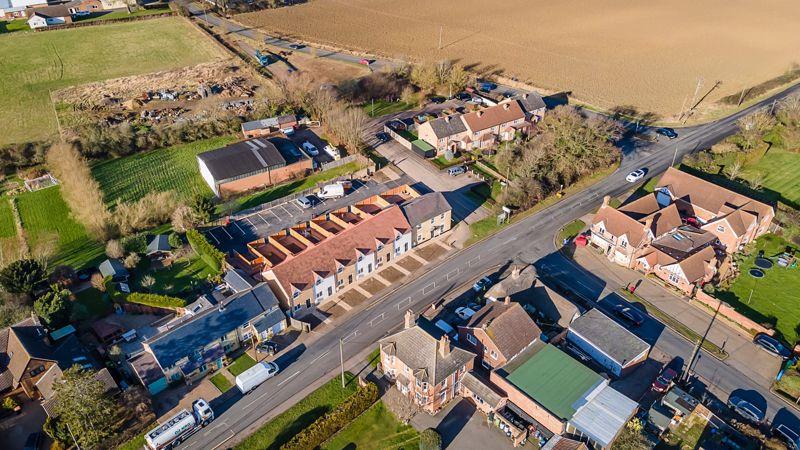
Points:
(36, 63)
(7, 227)
(383, 107)
(775, 297)
(10, 26)
(571, 229)
(281, 428)
(282, 190)
(132, 177)
(90, 303)
(122, 14)
(376, 429)
(46, 217)
(780, 169)
(221, 382)
(183, 274)
(374, 357)
(442, 163)
(241, 364)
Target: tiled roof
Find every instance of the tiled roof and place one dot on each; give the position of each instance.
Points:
(447, 126)
(26, 342)
(618, 223)
(561, 443)
(322, 258)
(493, 116)
(684, 241)
(418, 349)
(425, 207)
(509, 326)
(482, 388)
(531, 101)
(694, 267)
(608, 336)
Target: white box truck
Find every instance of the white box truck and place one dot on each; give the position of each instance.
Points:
(180, 426)
(335, 190)
(252, 377)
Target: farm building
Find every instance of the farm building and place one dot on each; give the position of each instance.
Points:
(48, 16)
(616, 349)
(252, 164)
(263, 127)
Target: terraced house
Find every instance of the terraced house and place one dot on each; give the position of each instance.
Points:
(310, 263)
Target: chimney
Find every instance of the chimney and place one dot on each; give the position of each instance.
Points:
(515, 272)
(606, 200)
(447, 119)
(506, 106)
(444, 346)
(480, 113)
(409, 319)
(648, 222)
(507, 301)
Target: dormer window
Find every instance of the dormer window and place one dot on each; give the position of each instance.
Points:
(296, 294)
(360, 258)
(380, 247)
(340, 269)
(720, 228)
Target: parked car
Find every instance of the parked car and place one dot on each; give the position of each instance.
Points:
(382, 137)
(635, 176)
(482, 285)
(310, 148)
(33, 441)
(667, 132)
(788, 435)
(772, 345)
(288, 131)
(438, 99)
(630, 315)
(304, 202)
(296, 46)
(254, 376)
(268, 347)
(745, 409)
(463, 96)
(457, 170)
(464, 312)
(333, 152)
(664, 380)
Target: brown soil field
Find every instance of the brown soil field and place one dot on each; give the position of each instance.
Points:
(605, 52)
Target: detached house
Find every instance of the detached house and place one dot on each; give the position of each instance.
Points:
(429, 216)
(445, 133)
(423, 364)
(47, 16)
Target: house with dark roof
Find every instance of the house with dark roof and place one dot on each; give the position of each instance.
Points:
(265, 127)
(423, 364)
(191, 348)
(430, 215)
(498, 332)
(48, 16)
(448, 132)
(251, 164)
(49, 380)
(533, 105)
(609, 344)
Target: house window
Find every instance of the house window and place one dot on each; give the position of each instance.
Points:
(380, 247)
(360, 258)
(297, 307)
(349, 279)
(486, 365)
(330, 290)
(296, 294)
(443, 396)
(37, 370)
(444, 384)
(720, 228)
(431, 220)
(494, 355)
(308, 303)
(319, 281)
(319, 294)
(472, 339)
(340, 282)
(340, 269)
(623, 244)
(674, 278)
(602, 230)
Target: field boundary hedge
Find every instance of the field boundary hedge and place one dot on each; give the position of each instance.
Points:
(159, 301)
(207, 252)
(331, 423)
(105, 22)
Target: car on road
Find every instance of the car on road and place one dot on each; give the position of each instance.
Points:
(630, 315)
(33, 441)
(664, 380)
(296, 46)
(464, 312)
(772, 345)
(310, 148)
(667, 132)
(482, 285)
(745, 409)
(438, 99)
(304, 202)
(268, 347)
(635, 176)
(382, 137)
(788, 435)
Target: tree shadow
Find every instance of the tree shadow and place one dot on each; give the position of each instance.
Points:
(298, 425)
(633, 115)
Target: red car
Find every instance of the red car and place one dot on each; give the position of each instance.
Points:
(664, 380)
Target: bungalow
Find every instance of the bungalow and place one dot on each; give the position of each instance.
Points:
(84, 7)
(498, 332)
(613, 347)
(423, 365)
(198, 344)
(264, 127)
(429, 216)
(47, 16)
(252, 164)
(113, 268)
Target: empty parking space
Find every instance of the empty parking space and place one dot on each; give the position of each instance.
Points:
(431, 251)
(391, 274)
(409, 263)
(353, 297)
(373, 286)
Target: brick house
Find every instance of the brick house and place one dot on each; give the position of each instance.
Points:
(533, 105)
(495, 124)
(498, 332)
(445, 133)
(423, 364)
(429, 216)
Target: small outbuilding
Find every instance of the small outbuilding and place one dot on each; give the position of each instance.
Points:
(613, 347)
(113, 268)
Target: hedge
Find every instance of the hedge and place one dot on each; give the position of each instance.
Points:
(160, 301)
(329, 424)
(207, 252)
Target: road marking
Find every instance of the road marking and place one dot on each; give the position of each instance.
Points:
(262, 218)
(379, 318)
(402, 303)
(210, 233)
(351, 335)
(453, 273)
(224, 441)
(428, 287)
(250, 222)
(226, 232)
(237, 226)
(474, 260)
(319, 357)
(289, 378)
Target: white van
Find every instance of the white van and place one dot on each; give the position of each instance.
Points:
(252, 377)
(457, 170)
(335, 190)
(333, 152)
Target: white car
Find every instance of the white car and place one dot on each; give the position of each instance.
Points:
(309, 147)
(635, 176)
(304, 202)
(464, 313)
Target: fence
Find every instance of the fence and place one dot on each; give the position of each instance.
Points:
(104, 22)
(731, 316)
(397, 137)
(346, 160)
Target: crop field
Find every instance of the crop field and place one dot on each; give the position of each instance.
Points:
(36, 63)
(606, 52)
(174, 168)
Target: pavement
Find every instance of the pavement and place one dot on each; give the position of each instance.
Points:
(462, 426)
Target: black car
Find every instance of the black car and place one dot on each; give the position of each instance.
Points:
(438, 99)
(667, 132)
(772, 345)
(463, 96)
(630, 315)
(33, 441)
(296, 46)
(268, 347)
(382, 137)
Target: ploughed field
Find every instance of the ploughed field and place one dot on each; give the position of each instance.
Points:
(606, 52)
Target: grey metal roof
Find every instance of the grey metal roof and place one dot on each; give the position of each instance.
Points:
(146, 368)
(604, 416)
(237, 280)
(608, 336)
(242, 158)
(269, 320)
(448, 126)
(679, 400)
(259, 124)
(158, 243)
(425, 207)
(482, 389)
(112, 267)
(531, 101)
(212, 324)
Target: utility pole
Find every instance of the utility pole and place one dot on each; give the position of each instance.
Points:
(441, 30)
(699, 344)
(741, 97)
(674, 156)
(341, 358)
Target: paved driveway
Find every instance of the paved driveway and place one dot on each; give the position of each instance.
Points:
(462, 426)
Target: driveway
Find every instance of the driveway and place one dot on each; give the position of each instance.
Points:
(16, 428)
(462, 426)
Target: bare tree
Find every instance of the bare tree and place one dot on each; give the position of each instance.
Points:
(184, 218)
(153, 209)
(114, 249)
(147, 281)
(757, 181)
(734, 169)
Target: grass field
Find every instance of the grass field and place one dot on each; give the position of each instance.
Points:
(36, 63)
(376, 429)
(571, 229)
(7, 227)
(46, 217)
(612, 53)
(182, 274)
(173, 168)
(780, 169)
(221, 382)
(775, 297)
(280, 429)
(383, 107)
(122, 14)
(241, 364)
(9, 26)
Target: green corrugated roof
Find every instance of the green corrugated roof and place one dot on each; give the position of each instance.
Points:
(554, 380)
(424, 146)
